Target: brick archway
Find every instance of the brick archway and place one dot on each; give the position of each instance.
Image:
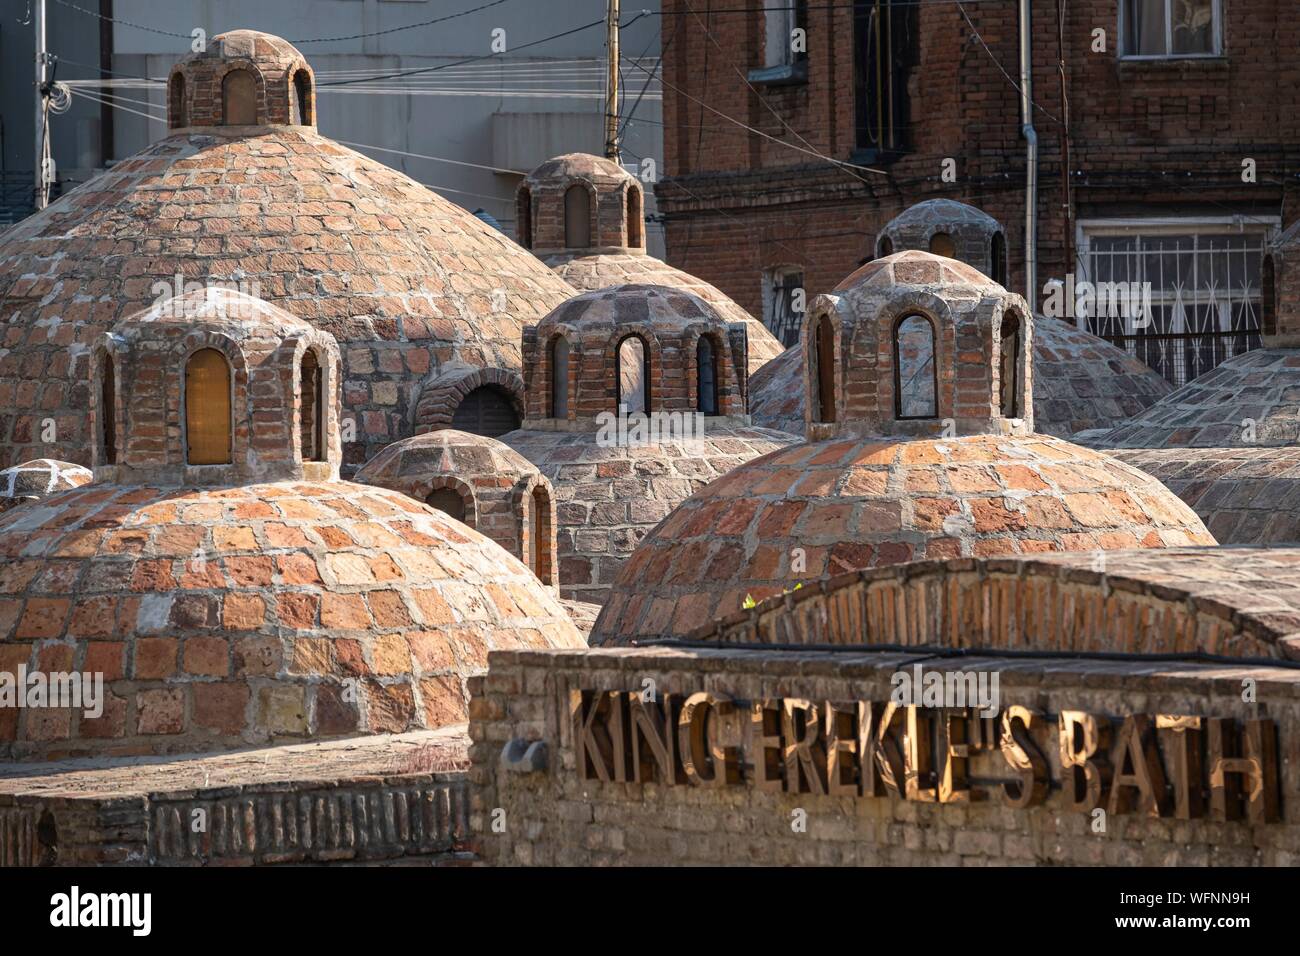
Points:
(440, 397)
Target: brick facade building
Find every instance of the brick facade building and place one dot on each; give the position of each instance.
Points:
(1157, 148)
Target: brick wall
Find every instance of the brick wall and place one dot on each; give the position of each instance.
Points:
(552, 816)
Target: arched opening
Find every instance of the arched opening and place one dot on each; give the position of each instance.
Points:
(1268, 296)
(207, 408)
(822, 356)
(577, 217)
(635, 238)
(108, 411)
(915, 388)
(1009, 367)
(302, 97)
(885, 247)
(706, 365)
(311, 410)
(560, 377)
(449, 501)
(524, 216)
(998, 258)
(942, 244)
(539, 525)
(487, 410)
(176, 101)
(239, 99)
(633, 375)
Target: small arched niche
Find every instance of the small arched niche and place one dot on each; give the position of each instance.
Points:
(822, 371)
(176, 110)
(577, 217)
(207, 409)
(942, 244)
(998, 258)
(311, 408)
(915, 386)
(1009, 367)
(635, 219)
(302, 97)
(448, 501)
(559, 377)
(524, 216)
(633, 375)
(239, 98)
(538, 513)
(487, 410)
(706, 376)
(108, 410)
(885, 247)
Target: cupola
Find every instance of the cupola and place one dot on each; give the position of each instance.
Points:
(579, 204)
(242, 78)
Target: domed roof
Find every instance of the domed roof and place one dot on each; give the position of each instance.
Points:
(580, 166)
(822, 508)
(480, 481)
(915, 269)
(592, 273)
(413, 286)
(33, 480)
(942, 212)
(267, 613)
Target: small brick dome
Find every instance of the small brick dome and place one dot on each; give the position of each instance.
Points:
(34, 480)
(481, 482)
(420, 294)
(948, 228)
(609, 250)
(641, 348)
(824, 508)
(273, 613)
(242, 78)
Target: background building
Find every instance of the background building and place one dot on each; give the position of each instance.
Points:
(1177, 123)
(489, 117)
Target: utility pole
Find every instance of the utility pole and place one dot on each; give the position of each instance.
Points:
(611, 82)
(42, 185)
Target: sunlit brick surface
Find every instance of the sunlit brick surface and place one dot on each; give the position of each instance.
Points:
(833, 507)
(267, 613)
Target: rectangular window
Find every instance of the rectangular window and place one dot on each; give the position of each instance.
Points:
(785, 54)
(1202, 279)
(1158, 29)
(783, 304)
(884, 51)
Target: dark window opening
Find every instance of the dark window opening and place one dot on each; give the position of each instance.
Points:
(998, 259)
(487, 410)
(177, 102)
(635, 239)
(1009, 370)
(884, 44)
(942, 244)
(785, 316)
(524, 214)
(449, 501)
(560, 378)
(577, 218)
(915, 388)
(1268, 297)
(633, 375)
(108, 412)
(239, 99)
(823, 357)
(886, 247)
(539, 527)
(207, 408)
(706, 361)
(311, 412)
(302, 97)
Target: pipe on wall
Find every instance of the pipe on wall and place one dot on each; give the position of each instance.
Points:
(1031, 156)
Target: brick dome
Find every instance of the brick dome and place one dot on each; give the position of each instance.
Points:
(824, 508)
(481, 482)
(34, 480)
(276, 612)
(417, 291)
(612, 487)
(949, 228)
(609, 249)
(242, 78)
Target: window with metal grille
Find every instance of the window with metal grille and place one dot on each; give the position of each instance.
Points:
(884, 45)
(783, 304)
(1204, 281)
(487, 410)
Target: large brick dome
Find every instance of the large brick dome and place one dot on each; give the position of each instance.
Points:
(609, 249)
(279, 612)
(421, 296)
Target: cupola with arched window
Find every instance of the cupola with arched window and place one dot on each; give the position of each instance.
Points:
(216, 387)
(580, 205)
(242, 78)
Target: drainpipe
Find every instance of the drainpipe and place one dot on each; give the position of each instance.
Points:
(1031, 157)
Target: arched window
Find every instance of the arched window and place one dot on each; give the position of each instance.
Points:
(108, 412)
(823, 369)
(207, 408)
(560, 377)
(311, 410)
(1009, 370)
(941, 244)
(176, 101)
(539, 525)
(998, 258)
(302, 97)
(448, 500)
(914, 373)
(1268, 297)
(524, 215)
(635, 239)
(633, 375)
(885, 246)
(487, 410)
(706, 363)
(239, 99)
(577, 217)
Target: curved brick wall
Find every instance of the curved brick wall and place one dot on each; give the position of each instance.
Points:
(267, 613)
